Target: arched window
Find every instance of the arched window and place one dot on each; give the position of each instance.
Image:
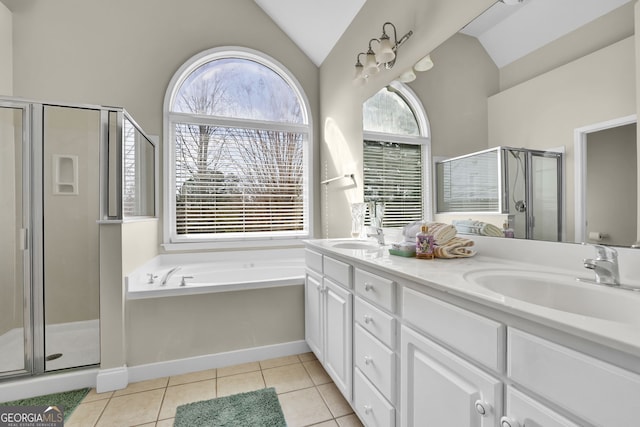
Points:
(237, 157)
(397, 155)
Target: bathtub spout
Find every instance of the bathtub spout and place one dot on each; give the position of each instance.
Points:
(168, 275)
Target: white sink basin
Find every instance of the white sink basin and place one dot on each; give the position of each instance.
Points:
(366, 245)
(561, 292)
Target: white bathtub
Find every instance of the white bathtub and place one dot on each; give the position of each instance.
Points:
(216, 272)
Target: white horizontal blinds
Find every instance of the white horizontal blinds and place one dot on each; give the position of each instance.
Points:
(469, 184)
(238, 180)
(393, 174)
(130, 185)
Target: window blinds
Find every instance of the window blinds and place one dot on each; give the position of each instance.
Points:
(238, 180)
(393, 174)
(469, 184)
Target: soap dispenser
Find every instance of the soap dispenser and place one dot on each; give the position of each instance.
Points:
(424, 243)
(507, 231)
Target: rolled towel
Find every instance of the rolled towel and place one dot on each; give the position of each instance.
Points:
(491, 230)
(442, 233)
(455, 248)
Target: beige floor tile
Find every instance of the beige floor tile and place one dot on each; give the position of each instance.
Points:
(143, 386)
(238, 369)
(165, 423)
(287, 378)
(280, 361)
(304, 407)
(305, 357)
(331, 423)
(240, 383)
(86, 413)
(186, 393)
(317, 373)
(335, 400)
(132, 410)
(92, 396)
(147, 425)
(349, 421)
(192, 377)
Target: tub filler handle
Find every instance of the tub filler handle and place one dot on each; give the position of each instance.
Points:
(183, 282)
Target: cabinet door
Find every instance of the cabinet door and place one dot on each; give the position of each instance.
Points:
(313, 314)
(338, 327)
(441, 389)
(523, 411)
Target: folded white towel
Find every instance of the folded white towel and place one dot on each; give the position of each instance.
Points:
(441, 232)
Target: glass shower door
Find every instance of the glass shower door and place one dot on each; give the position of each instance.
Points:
(545, 197)
(15, 353)
(71, 197)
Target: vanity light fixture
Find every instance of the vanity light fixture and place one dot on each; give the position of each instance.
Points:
(384, 56)
(424, 64)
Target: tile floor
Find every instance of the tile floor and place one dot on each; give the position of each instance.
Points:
(307, 395)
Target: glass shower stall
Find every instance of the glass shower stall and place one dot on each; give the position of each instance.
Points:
(64, 170)
(521, 186)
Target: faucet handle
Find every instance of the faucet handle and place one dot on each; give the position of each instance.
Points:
(151, 278)
(606, 252)
(183, 282)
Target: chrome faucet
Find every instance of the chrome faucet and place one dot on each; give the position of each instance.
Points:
(379, 235)
(605, 266)
(168, 275)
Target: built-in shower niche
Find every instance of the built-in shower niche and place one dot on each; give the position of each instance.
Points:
(519, 187)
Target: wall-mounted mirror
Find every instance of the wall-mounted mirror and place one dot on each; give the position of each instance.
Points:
(531, 75)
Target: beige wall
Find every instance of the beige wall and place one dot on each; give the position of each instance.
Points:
(454, 93)
(544, 111)
(432, 22)
(124, 53)
(139, 243)
(164, 329)
(6, 51)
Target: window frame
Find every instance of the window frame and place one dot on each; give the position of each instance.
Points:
(174, 241)
(424, 140)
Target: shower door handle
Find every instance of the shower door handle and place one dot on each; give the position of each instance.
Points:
(23, 237)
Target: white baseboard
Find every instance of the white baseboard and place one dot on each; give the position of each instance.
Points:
(218, 360)
(112, 379)
(117, 378)
(24, 387)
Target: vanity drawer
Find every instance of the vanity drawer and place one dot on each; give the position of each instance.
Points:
(375, 360)
(337, 270)
(376, 289)
(313, 260)
(523, 409)
(378, 323)
(372, 408)
(476, 336)
(594, 390)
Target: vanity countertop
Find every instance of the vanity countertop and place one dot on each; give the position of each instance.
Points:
(452, 276)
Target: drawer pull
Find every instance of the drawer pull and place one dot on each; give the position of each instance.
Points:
(368, 286)
(368, 409)
(483, 408)
(368, 319)
(508, 422)
(368, 360)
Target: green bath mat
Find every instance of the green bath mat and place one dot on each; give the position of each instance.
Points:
(259, 408)
(67, 400)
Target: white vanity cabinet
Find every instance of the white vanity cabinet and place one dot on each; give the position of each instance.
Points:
(329, 317)
(439, 387)
(374, 353)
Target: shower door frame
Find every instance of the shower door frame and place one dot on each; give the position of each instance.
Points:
(528, 183)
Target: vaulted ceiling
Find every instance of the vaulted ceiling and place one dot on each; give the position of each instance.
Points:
(508, 30)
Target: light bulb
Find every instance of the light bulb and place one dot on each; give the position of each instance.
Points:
(385, 51)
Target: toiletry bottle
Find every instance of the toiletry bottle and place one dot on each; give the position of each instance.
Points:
(424, 243)
(508, 231)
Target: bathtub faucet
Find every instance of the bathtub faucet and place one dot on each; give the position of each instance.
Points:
(168, 275)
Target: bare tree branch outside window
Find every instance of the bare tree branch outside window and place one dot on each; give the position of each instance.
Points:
(238, 180)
